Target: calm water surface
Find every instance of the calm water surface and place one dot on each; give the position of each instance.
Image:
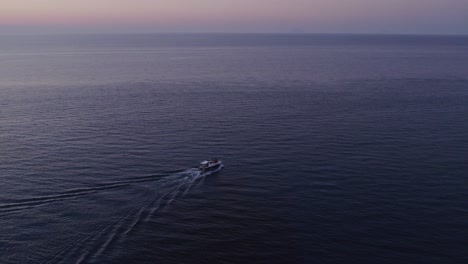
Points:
(337, 149)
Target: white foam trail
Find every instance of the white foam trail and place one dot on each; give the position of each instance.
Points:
(171, 187)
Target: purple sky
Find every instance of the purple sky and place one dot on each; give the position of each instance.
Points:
(269, 16)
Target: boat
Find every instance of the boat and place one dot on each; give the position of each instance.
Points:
(210, 165)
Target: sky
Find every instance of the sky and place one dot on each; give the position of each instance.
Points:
(235, 16)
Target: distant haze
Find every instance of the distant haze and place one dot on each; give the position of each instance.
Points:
(235, 16)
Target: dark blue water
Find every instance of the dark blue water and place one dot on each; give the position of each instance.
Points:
(337, 149)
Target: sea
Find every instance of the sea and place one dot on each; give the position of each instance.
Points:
(336, 148)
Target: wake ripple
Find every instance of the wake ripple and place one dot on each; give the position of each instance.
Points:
(31, 203)
(89, 248)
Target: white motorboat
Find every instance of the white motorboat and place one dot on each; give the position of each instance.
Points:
(210, 165)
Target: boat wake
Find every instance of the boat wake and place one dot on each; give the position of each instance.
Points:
(33, 202)
(84, 249)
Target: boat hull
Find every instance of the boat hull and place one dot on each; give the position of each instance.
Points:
(211, 168)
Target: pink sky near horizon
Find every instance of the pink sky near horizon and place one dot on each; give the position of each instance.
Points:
(322, 16)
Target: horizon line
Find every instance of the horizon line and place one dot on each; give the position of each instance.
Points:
(227, 33)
